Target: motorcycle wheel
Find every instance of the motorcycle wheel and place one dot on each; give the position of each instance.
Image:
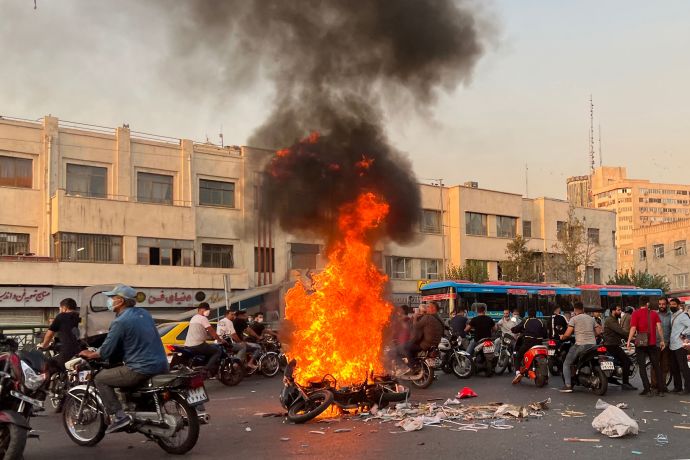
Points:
(542, 372)
(503, 362)
(427, 376)
(555, 368)
(186, 437)
(12, 441)
(463, 366)
(93, 419)
(447, 365)
(303, 411)
(270, 364)
(490, 365)
(603, 382)
(230, 373)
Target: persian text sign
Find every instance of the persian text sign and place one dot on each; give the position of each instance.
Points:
(26, 297)
(185, 298)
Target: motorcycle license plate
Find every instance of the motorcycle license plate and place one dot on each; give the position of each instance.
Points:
(552, 352)
(489, 349)
(606, 365)
(84, 376)
(197, 396)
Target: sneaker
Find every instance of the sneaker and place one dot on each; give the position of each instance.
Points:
(566, 389)
(118, 424)
(628, 387)
(517, 379)
(646, 392)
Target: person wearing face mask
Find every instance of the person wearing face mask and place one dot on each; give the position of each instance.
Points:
(65, 329)
(680, 328)
(259, 327)
(134, 340)
(199, 331)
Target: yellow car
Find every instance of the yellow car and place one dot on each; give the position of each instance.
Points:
(175, 334)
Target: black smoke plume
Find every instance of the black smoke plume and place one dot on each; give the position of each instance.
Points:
(334, 65)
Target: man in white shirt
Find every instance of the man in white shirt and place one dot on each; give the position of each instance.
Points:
(197, 334)
(227, 329)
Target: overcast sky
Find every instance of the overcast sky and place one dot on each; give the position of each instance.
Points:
(108, 63)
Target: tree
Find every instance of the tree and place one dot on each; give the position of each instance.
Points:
(473, 270)
(572, 253)
(521, 263)
(641, 279)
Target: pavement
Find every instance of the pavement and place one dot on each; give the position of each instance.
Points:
(237, 431)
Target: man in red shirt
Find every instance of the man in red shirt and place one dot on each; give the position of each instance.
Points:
(646, 321)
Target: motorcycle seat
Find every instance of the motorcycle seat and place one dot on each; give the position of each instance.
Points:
(33, 358)
(160, 380)
(539, 347)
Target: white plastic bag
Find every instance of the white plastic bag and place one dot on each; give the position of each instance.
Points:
(614, 423)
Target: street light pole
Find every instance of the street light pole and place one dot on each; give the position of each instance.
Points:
(443, 233)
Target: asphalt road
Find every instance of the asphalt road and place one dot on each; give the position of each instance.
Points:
(233, 411)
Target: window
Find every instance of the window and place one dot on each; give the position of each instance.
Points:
(527, 229)
(560, 229)
(431, 269)
(681, 280)
(88, 181)
(506, 226)
(16, 172)
(217, 256)
(399, 267)
(154, 188)
(613, 238)
(680, 248)
(216, 193)
(658, 251)
(264, 260)
(597, 276)
(82, 247)
(475, 224)
(431, 221)
(160, 251)
(643, 254)
(13, 243)
(303, 255)
(593, 235)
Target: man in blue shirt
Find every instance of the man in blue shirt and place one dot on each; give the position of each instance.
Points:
(134, 340)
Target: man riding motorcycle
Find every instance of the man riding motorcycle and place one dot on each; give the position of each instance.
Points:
(427, 332)
(483, 327)
(199, 330)
(533, 333)
(585, 329)
(613, 334)
(134, 340)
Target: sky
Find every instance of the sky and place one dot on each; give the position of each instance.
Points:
(526, 105)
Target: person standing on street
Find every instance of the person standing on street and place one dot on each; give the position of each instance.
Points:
(199, 331)
(613, 335)
(625, 317)
(586, 330)
(680, 329)
(647, 325)
(665, 357)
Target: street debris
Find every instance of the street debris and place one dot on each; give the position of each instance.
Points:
(661, 439)
(601, 404)
(582, 439)
(284, 439)
(636, 452)
(572, 413)
(247, 429)
(614, 423)
(466, 392)
(342, 430)
(682, 427)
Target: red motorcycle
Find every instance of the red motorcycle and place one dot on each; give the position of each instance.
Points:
(535, 365)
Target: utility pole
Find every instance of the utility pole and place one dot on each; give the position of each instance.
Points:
(443, 233)
(591, 134)
(601, 156)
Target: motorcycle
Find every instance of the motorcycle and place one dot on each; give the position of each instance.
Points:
(268, 359)
(557, 351)
(230, 370)
(163, 408)
(304, 403)
(617, 374)
(535, 365)
(15, 407)
(485, 358)
(506, 347)
(592, 370)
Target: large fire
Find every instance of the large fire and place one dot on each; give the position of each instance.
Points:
(339, 320)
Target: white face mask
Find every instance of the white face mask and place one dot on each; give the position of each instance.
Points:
(206, 313)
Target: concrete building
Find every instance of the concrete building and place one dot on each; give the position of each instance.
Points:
(637, 203)
(663, 249)
(176, 219)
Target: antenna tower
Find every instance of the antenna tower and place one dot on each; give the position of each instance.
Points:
(601, 157)
(591, 134)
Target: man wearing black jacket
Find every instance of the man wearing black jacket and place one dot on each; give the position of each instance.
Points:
(613, 334)
(533, 333)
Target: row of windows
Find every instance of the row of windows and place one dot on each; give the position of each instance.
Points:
(664, 201)
(506, 226)
(592, 233)
(679, 248)
(662, 191)
(92, 182)
(664, 210)
(401, 268)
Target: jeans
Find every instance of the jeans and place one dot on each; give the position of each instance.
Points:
(117, 377)
(618, 353)
(253, 348)
(570, 359)
(680, 357)
(666, 361)
(212, 354)
(240, 350)
(653, 353)
(411, 350)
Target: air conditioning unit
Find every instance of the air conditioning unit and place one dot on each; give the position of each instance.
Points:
(471, 184)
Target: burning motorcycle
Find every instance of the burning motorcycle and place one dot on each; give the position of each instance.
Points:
(593, 369)
(163, 408)
(230, 370)
(304, 403)
(535, 366)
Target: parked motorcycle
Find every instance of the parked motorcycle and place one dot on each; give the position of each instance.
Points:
(163, 408)
(506, 347)
(268, 359)
(592, 370)
(303, 403)
(230, 370)
(535, 365)
(15, 411)
(485, 358)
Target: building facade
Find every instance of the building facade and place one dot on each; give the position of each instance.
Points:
(178, 220)
(638, 203)
(663, 249)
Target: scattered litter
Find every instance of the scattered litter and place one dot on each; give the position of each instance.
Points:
(672, 412)
(452, 402)
(466, 392)
(342, 430)
(582, 439)
(636, 452)
(661, 439)
(317, 432)
(601, 404)
(284, 439)
(420, 443)
(681, 427)
(411, 424)
(434, 399)
(614, 423)
(684, 402)
(647, 411)
(572, 413)
(248, 429)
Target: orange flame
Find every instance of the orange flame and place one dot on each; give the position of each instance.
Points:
(339, 321)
